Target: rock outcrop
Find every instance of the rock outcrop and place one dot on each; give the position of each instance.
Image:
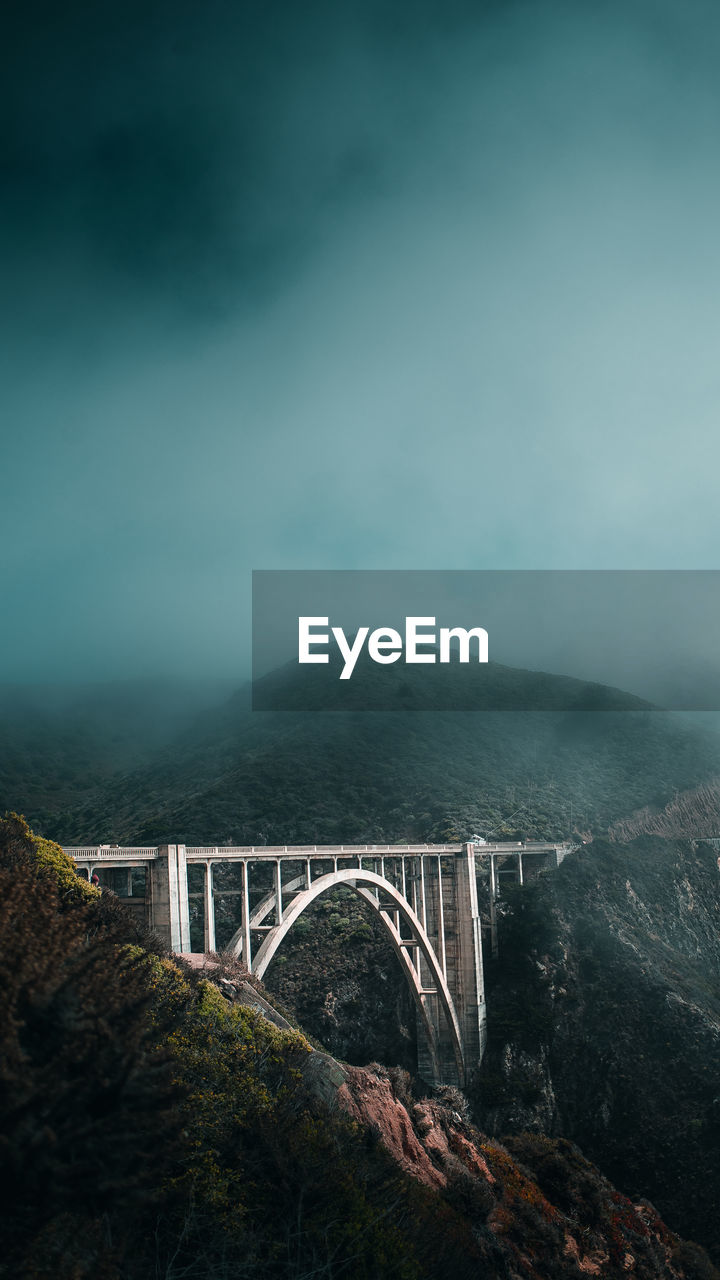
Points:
(543, 1208)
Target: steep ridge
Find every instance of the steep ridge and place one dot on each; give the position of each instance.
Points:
(690, 814)
(604, 1020)
(549, 1211)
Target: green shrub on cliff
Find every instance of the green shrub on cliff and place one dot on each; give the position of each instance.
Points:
(86, 1117)
(148, 1127)
(32, 855)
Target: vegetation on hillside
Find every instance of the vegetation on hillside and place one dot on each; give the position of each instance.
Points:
(604, 1020)
(62, 745)
(150, 1128)
(348, 776)
(691, 814)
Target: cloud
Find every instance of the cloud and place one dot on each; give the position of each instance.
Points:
(348, 286)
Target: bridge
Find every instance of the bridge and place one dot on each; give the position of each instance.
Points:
(433, 901)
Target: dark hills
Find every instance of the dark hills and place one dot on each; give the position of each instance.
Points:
(240, 776)
(451, 686)
(604, 1020)
(60, 745)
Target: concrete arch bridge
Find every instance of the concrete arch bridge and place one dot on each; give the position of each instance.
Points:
(427, 897)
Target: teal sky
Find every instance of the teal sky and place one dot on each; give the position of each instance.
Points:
(347, 286)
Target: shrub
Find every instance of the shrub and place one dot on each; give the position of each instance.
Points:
(86, 1117)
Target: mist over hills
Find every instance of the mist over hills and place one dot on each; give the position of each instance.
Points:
(440, 686)
(60, 745)
(130, 765)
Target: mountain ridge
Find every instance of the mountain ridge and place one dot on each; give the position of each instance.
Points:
(242, 776)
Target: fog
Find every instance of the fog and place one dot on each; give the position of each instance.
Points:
(346, 286)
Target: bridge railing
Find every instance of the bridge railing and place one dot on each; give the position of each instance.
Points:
(146, 853)
(111, 853)
(260, 851)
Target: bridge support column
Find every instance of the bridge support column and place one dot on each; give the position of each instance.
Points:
(278, 892)
(452, 910)
(209, 909)
(169, 905)
(246, 943)
(465, 961)
(492, 908)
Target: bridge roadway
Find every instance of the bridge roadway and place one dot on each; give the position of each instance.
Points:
(425, 895)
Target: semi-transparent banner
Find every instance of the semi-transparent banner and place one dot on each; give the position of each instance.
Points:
(467, 640)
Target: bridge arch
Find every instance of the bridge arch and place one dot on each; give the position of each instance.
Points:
(363, 882)
(261, 912)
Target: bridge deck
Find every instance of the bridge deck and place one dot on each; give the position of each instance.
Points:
(201, 853)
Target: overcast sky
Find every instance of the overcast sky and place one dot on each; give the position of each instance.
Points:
(346, 285)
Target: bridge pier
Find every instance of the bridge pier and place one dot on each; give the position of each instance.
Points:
(169, 912)
(454, 918)
(468, 982)
(209, 930)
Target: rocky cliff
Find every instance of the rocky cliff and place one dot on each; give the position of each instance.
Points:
(604, 1021)
(533, 1206)
(536, 1206)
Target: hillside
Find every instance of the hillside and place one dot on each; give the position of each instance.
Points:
(153, 1122)
(604, 1020)
(60, 745)
(237, 776)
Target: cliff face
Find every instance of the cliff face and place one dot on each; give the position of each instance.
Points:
(521, 1209)
(426, 1138)
(536, 1206)
(528, 1206)
(604, 1021)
